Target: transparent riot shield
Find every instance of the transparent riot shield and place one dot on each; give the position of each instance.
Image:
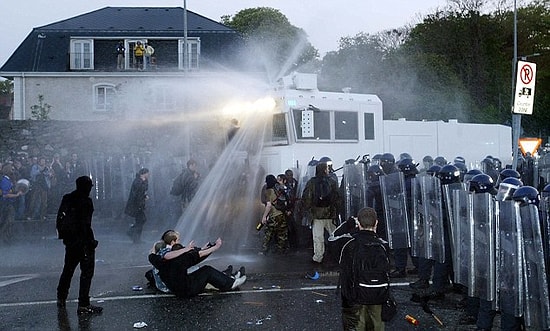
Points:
(449, 204)
(428, 230)
(536, 300)
(418, 234)
(482, 280)
(354, 184)
(462, 236)
(509, 266)
(544, 209)
(395, 210)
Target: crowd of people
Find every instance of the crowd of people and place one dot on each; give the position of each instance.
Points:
(32, 187)
(411, 215)
(404, 198)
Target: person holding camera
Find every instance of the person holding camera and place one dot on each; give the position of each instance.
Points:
(173, 264)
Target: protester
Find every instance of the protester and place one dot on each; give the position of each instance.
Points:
(74, 226)
(173, 268)
(135, 207)
(364, 276)
(321, 199)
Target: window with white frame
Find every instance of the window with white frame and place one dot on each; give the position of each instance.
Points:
(82, 54)
(192, 54)
(104, 97)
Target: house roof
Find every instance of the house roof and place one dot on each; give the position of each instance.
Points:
(137, 19)
(46, 48)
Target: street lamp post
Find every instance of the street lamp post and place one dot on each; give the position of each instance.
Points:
(516, 118)
(185, 60)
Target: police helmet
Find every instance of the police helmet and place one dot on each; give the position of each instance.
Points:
(405, 156)
(427, 159)
(408, 167)
(481, 183)
(312, 163)
(387, 158)
(433, 170)
(459, 159)
(326, 159)
(470, 174)
(462, 168)
(487, 163)
(545, 191)
(512, 181)
(526, 195)
(350, 161)
(507, 188)
(440, 161)
(506, 173)
(376, 158)
(374, 172)
(449, 174)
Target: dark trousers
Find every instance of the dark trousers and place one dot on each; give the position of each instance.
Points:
(425, 267)
(137, 227)
(401, 257)
(75, 255)
(443, 271)
(207, 275)
(486, 315)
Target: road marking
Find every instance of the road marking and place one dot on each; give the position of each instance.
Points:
(16, 279)
(160, 296)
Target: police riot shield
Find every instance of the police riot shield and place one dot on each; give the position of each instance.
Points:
(354, 184)
(482, 280)
(509, 266)
(544, 208)
(395, 210)
(428, 238)
(462, 236)
(536, 301)
(418, 234)
(448, 190)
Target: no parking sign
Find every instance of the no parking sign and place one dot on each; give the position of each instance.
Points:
(525, 88)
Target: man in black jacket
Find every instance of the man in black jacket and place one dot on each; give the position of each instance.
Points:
(364, 292)
(135, 207)
(74, 226)
(173, 268)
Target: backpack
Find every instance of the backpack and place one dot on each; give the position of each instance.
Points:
(366, 281)
(64, 223)
(282, 202)
(177, 186)
(322, 194)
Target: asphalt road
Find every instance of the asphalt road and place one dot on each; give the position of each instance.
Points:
(276, 296)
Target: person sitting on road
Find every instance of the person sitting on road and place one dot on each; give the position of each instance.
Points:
(173, 268)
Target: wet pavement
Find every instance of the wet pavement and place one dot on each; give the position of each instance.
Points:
(277, 295)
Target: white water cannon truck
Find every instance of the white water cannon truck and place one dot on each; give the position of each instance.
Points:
(309, 124)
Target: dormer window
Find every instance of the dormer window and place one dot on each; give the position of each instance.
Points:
(192, 54)
(82, 54)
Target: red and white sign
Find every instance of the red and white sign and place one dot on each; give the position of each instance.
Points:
(524, 96)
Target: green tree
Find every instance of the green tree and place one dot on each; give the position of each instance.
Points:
(273, 44)
(41, 111)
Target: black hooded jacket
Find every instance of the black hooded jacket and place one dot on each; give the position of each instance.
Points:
(74, 217)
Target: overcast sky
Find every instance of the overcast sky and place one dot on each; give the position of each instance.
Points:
(324, 21)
